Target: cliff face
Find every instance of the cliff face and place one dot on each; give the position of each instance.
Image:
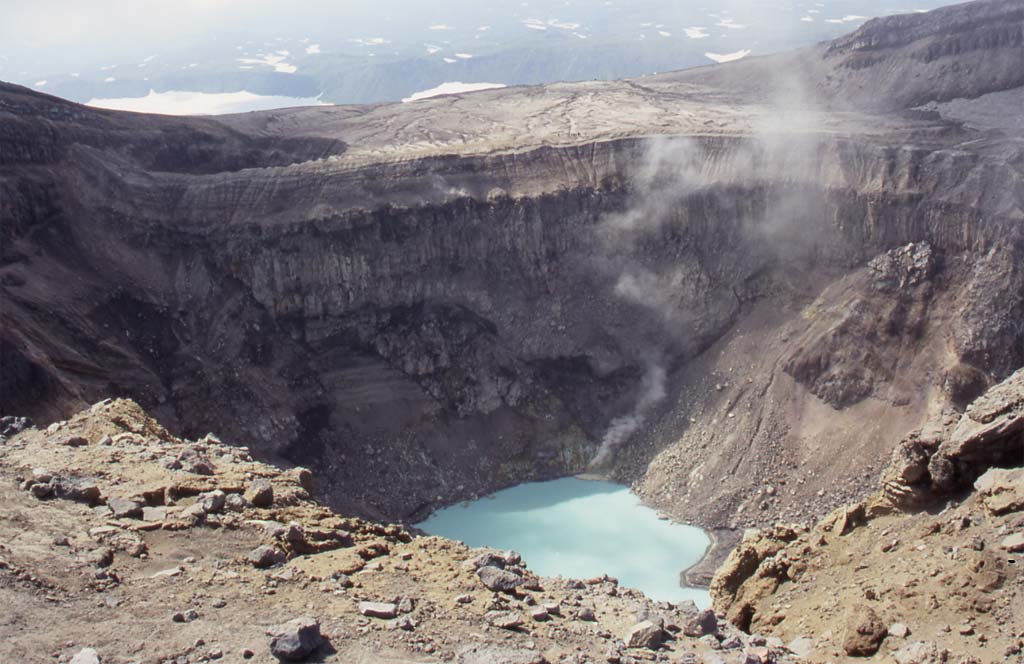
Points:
(467, 292)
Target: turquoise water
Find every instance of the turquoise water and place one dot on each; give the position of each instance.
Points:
(579, 529)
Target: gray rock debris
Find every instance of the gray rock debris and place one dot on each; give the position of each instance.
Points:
(492, 654)
(919, 652)
(296, 640)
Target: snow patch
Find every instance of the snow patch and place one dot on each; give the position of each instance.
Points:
(728, 57)
(177, 102)
(849, 18)
(452, 88)
(731, 24)
(275, 60)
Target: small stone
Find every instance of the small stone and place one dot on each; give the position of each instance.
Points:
(212, 501)
(539, 614)
(154, 513)
(101, 557)
(464, 599)
(184, 616)
(899, 630)
(801, 646)
(266, 556)
(235, 503)
(504, 619)
(40, 491)
(730, 643)
(644, 634)
(216, 653)
(406, 605)
(586, 613)
(386, 610)
(295, 640)
(553, 608)
(86, 656)
(260, 493)
(75, 441)
(194, 512)
(405, 623)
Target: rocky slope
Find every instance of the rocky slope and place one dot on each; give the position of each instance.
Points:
(123, 543)
(926, 570)
(473, 291)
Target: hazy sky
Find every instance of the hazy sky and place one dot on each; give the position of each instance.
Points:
(111, 48)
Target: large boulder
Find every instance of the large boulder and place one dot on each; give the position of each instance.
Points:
(260, 493)
(863, 633)
(644, 634)
(499, 580)
(296, 640)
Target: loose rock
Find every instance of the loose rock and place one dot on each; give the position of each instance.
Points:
(386, 610)
(266, 556)
(260, 493)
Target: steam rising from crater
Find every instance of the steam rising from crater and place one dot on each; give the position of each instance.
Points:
(782, 148)
(652, 391)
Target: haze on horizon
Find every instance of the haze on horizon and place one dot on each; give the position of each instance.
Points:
(361, 51)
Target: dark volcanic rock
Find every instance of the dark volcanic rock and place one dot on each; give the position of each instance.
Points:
(296, 640)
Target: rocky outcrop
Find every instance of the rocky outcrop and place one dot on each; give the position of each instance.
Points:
(989, 433)
(884, 561)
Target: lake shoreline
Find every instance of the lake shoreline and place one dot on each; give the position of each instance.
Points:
(699, 574)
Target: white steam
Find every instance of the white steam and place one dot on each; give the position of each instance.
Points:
(652, 391)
